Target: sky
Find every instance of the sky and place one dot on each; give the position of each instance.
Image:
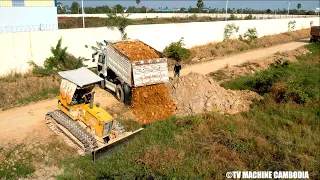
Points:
(254, 4)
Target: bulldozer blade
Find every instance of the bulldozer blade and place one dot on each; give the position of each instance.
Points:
(113, 146)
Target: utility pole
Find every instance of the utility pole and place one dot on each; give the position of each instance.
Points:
(82, 14)
(288, 8)
(227, 10)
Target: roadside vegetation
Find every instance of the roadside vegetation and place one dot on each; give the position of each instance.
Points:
(39, 84)
(20, 89)
(277, 134)
(246, 42)
(69, 23)
(201, 7)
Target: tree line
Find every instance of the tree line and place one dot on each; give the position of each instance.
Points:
(201, 8)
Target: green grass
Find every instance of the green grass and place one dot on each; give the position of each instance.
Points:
(16, 164)
(22, 159)
(272, 136)
(42, 95)
(298, 81)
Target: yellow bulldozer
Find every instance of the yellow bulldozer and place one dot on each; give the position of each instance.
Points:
(80, 120)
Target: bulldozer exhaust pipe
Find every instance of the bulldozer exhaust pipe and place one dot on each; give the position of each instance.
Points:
(92, 100)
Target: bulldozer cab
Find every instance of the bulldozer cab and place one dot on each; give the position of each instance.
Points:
(77, 85)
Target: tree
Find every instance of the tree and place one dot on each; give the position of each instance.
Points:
(60, 60)
(138, 2)
(119, 8)
(200, 4)
(299, 6)
(61, 9)
(182, 10)
(268, 11)
(121, 22)
(75, 8)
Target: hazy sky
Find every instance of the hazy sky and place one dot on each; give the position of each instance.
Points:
(254, 4)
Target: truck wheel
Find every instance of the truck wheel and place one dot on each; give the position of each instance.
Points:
(127, 94)
(119, 93)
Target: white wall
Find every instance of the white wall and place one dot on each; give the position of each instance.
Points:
(16, 49)
(20, 19)
(184, 15)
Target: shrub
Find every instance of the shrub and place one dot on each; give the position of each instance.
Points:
(250, 35)
(249, 17)
(121, 22)
(193, 17)
(229, 30)
(65, 26)
(60, 61)
(311, 23)
(176, 50)
(232, 17)
(291, 25)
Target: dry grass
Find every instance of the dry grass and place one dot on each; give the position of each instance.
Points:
(17, 89)
(252, 67)
(212, 51)
(73, 22)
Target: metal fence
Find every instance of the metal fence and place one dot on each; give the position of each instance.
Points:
(28, 28)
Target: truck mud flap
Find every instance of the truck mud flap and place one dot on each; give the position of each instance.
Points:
(109, 148)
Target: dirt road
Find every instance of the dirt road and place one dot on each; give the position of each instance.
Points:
(210, 66)
(23, 122)
(18, 123)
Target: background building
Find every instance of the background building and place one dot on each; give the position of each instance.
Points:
(28, 15)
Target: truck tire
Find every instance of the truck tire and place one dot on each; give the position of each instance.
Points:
(127, 94)
(119, 93)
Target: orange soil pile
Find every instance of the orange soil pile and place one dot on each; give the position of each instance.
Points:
(136, 50)
(152, 103)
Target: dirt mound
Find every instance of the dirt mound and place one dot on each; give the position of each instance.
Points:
(136, 50)
(195, 93)
(152, 103)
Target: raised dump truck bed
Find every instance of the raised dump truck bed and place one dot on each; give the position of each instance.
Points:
(136, 72)
(128, 64)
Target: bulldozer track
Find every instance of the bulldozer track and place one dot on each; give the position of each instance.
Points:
(86, 142)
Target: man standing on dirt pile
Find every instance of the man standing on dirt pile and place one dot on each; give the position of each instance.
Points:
(177, 68)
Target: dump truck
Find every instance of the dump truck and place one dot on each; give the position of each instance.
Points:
(120, 74)
(80, 120)
(315, 34)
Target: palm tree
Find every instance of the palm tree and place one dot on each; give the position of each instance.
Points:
(299, 6)
(138, 2)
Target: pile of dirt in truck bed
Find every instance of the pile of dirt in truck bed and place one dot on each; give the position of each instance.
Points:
(136, 50)
(152, 103)
(195, 94)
